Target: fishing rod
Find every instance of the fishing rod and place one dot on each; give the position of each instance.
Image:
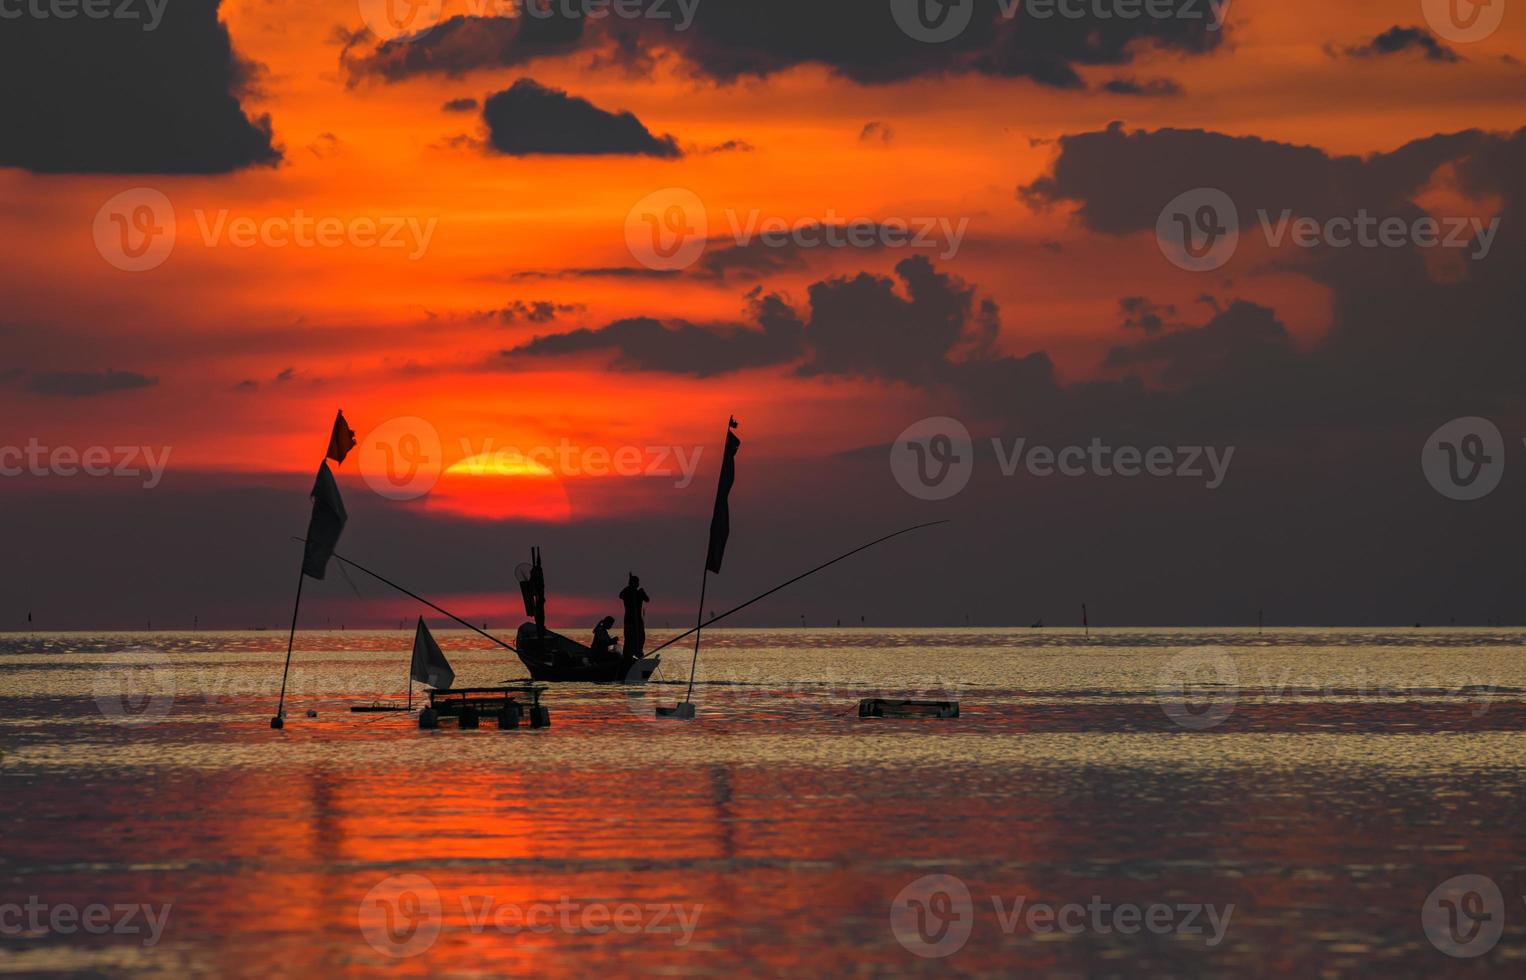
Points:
(792, 581)
(415, 595)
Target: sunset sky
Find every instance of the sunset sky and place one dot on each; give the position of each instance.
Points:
(487, 303)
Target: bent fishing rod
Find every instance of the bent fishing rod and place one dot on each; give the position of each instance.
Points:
(439, 609)
(714, 619)
(849, 554)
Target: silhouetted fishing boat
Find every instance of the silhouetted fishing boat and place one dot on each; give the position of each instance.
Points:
(550, 656)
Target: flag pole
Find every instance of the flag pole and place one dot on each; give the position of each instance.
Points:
(720, 519)
(278, 721)
(704, 579)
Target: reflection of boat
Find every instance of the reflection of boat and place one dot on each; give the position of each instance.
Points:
(550, 656)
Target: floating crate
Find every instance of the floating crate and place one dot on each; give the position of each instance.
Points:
(890, 708)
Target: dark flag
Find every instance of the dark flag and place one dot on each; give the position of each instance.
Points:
(429, 663)
(720, 521)
(341, 440)
(326, 525)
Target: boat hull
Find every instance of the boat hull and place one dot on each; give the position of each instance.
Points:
(550, 656)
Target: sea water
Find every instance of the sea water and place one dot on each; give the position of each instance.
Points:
(1128, 802)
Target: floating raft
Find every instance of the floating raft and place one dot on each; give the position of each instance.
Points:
(888, 708)
(468, 705)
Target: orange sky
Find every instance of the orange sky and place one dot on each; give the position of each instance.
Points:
(383, 333)
(352, 316)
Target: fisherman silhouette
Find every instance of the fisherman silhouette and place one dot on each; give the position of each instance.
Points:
(603, 643)
(633, 595)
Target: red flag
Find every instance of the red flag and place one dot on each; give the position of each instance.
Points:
(720, 521)
(341, 440)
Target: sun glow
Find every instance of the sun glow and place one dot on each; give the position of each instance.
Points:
(500, 486)
(506, 463)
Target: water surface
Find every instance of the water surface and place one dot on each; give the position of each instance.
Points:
(1312, 787)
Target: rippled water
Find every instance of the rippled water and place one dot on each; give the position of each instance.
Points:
(1310, 788)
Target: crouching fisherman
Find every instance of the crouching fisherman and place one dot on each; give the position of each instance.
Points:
(604, 645)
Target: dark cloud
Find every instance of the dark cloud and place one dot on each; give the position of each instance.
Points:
(680, 347)
(104, 95)
(85, 384)
(921, 327)
(1141, 314)
(591, 272)
(728, 260)
(460, 105)
(875, 132)
(1255, 173)
(461, 44)
(1244, 337)
(1397, 40)
(535, 311)
(1153, 88)
(1405, 344)
(529, 118)
(856, 39)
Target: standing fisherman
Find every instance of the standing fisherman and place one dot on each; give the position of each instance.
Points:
(633, 595)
